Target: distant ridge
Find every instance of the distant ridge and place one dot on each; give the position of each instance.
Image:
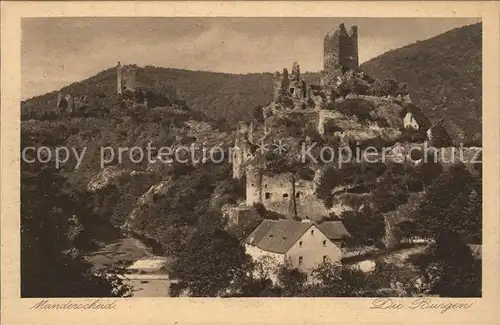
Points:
(443, 75)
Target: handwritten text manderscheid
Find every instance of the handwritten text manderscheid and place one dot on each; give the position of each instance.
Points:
(420, 303)
(96, 304)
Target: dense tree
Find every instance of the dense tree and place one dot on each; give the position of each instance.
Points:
(366, 226)
(451, 215)
(209, 262)
(449, 269)
(452, 202)
(334, 280)
(51, 227)
(291, 280)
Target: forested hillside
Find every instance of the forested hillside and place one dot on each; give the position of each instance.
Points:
(443, 76)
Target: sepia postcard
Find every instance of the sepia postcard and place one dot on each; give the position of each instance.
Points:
(250, 162)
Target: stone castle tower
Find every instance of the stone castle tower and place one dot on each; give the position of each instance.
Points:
(119, 78)
(341, 50)
(254, 184)
(125, 77)
(242, 151)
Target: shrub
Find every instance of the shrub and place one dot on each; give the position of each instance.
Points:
(357, 107)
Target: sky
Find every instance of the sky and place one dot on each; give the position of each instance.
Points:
(58, 51)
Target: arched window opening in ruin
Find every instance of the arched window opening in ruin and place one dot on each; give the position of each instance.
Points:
(292, 90)
(268, 195)
(297, 195)
(312, 232)
(285, 195)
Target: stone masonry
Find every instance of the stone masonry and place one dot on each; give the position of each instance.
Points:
(125, 77)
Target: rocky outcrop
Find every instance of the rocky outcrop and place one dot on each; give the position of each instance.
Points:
(106, 177)
(146, 200)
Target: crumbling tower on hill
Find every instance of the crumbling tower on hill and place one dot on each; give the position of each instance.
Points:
(119, 78)
(242, 148)
(340, 51)
(125, 78)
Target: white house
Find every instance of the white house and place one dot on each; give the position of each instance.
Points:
(305, 244)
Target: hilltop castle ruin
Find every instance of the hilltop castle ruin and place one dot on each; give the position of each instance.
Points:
(386, 117)
(125, 77)
(340, 51)
(283, 193)
(340, 55)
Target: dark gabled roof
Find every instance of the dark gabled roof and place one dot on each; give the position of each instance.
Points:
(333, 229)
(259, 232)
(278, 236)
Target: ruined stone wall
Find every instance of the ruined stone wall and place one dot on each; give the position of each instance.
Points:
(277, 193)
(331, 52)
(254, 184)
(239, 215)
(285, 208)
(341, 50)
(241, 151)
(70, 102)
(281, 86)
(65, 103)
(280, 194)
(129, 77)
(237, 160)
(349, 56)
(307, 204)
(324, 116)
(277, 188)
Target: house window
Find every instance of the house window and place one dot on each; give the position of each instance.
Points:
(268, 195)
(312, 232)
(285, 195)
(324, 243)
(300, 243)
(300, 260)
(325, 258)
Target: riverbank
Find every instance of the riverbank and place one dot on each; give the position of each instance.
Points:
(124, 250)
